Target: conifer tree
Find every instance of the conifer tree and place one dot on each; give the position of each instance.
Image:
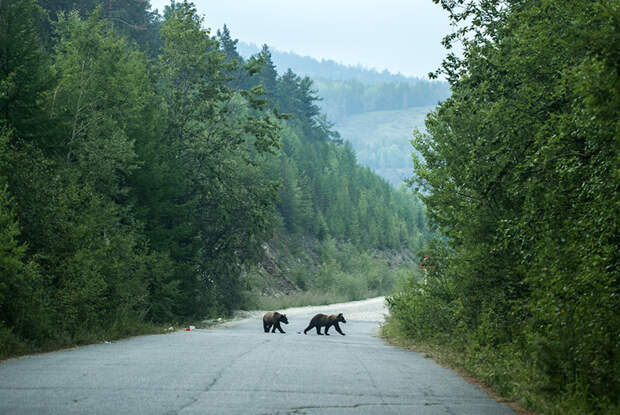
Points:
(267, 74)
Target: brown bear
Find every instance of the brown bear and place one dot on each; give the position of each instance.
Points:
(274, 319)
(321, 320)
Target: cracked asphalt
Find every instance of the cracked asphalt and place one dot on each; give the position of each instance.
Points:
(239, 369)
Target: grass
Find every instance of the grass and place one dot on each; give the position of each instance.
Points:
(12, 346)
(451, 358)
(504, 373)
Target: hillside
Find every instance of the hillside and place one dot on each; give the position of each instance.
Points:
(381, 140)
(301, 270)
(375, 111)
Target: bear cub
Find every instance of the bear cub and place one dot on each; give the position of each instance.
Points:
(323, 320)
(274, 319)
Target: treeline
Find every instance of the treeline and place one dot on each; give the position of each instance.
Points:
(143, 164)
(341, 99)
(519, 170)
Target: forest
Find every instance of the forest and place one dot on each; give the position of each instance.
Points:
(519, 172)
(146, 168)
(382, 140)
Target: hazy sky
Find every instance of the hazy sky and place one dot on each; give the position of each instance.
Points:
(399, 35)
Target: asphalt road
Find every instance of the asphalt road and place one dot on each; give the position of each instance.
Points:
(239, 369)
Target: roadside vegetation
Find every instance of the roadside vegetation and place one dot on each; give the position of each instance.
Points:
(519, 173)
(302, 271)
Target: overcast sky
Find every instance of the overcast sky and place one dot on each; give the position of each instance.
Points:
(398, 35)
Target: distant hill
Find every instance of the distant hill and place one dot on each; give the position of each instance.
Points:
(322, 69)
(381, 140)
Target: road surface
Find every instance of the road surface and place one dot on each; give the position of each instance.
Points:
(239, 369)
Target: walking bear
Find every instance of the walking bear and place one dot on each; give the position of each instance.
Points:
(323, 320)
(274, 319)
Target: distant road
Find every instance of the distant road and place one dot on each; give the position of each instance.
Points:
(239, 369)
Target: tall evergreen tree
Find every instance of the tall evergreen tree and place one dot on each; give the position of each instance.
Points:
(239, 77)
(267, 75)
(24, 68)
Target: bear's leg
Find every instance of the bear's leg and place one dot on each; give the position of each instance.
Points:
(279, 327)
(266, 327)
(326, 329)
(337, 327)
(318, 330)
(308, 328)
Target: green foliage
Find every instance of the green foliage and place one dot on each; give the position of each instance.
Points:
(327, 194)
(88, 235)
(131, 18)
(141, 200)
(425, 304)
(210, 204)
(21, 296)
(519, 170)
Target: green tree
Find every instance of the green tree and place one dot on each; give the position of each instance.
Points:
(99, 102)
(519, 171)
(130, 18)
(213, 139)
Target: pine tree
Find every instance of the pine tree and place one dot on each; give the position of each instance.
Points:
(267, 75)
(239, 76)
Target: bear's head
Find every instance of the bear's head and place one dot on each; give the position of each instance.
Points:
(283, 318)
(341, 318)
